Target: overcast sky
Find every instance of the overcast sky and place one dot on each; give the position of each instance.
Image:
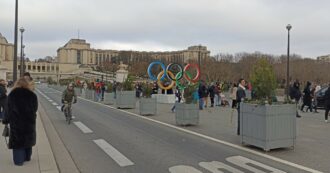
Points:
(224, 26)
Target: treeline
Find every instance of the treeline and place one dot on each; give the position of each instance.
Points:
(231, 67)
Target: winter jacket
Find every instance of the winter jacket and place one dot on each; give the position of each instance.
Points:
(240, 94)
(21, 116)
(69, 95)
(327, 98)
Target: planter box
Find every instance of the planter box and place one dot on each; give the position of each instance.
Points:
(109, 98)
(268, 126)
(126, 99)
(186, 114)
(148, 106)
(164, 98)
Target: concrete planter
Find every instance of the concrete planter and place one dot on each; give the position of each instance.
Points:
(109, 98)
(268, 126)
(164, 98)
(186, 114)
(148, 106)
(126, 99)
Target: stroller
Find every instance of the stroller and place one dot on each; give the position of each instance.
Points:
(224, 101)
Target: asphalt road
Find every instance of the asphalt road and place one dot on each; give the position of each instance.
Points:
(106, 140)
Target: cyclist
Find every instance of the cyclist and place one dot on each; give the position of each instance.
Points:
(68, 97)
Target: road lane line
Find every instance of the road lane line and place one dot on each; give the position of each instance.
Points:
(58, 107)
(55, 104)
(113, 153)
(214, 139)
(83, 127)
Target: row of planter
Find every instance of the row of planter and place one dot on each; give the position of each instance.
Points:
(264, 126)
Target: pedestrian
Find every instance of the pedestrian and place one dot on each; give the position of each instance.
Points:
(295, 94)
(114, 89)
(102, 90)
(314, 98)
(217, 94)
(233, 96)
(3, 98)
(240, 96)
(205, 95)
(307, 98)
(178, 97)
(327, 103)
(211, 91)
(201, 93)
(21, 116)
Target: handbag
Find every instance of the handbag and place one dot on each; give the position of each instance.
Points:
(5, 132)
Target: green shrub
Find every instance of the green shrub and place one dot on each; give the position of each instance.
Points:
(263, 81)
(128, 83)
(188, 93)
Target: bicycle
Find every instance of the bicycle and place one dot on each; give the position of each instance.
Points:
(67, 112)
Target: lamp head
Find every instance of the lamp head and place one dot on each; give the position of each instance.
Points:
(288, 27)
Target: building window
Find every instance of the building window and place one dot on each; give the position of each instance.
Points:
(78, 57)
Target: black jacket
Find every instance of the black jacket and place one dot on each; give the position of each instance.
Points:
(21, 116)
(327, 98)
(240, 94)
(295, 92)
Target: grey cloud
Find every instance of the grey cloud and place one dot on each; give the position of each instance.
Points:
(223, 25)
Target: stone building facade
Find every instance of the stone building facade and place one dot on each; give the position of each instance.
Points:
(325, 58)
(77, 57)
(78, 51)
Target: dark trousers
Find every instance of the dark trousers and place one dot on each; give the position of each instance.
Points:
(238, 118)
(326, 113)
(212, 101)
(22, 155)
(309, 104)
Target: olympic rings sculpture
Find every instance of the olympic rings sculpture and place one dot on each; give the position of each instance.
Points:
(175, 79)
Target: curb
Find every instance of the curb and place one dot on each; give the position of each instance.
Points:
(47, 163)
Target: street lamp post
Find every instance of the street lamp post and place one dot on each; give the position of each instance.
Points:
(23, 60)
(22, 56)
(288, 27)
(15, 43)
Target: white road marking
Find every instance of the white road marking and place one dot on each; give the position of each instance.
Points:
(215, 167)
(183, 169)
(58, 107)
(113, 153)
(83, 127)
(55, 104)
(243, 163)
(213, 139)
(50, 100)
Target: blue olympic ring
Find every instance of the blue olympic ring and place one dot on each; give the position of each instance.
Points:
(153, 77)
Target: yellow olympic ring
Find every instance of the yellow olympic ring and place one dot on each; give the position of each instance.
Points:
(160, 83)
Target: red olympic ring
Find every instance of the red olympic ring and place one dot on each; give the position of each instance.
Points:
(196, 78)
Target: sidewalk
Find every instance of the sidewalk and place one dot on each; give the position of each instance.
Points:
(42, 160)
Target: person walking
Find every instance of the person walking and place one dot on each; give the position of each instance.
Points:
(240, 96)
(314, 98)
(307, 98)
(295, 94)
(211, 91)
(178, 97)
(233, 96)
(21, 116)
(327, 103)
(201, 93)
(3, 98)
(217, 94)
